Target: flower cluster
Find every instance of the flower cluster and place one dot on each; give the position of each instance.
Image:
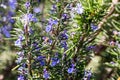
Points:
(6, 15)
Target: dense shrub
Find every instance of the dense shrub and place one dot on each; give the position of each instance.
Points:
(64, 39)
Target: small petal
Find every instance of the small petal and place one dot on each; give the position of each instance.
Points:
(37, 10)
(94, 27)
(79, 8)
(27, 4)
(18, 43)
(70, 70)
(48, 28)
(46, 75)
(21, 77)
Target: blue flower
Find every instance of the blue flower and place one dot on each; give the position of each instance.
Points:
(55, 61)
(27, 4)
(50, 41)
(71, 69)
(93, 27)
(5, 32)
(34, 19)
(65, 16)
(36, 10)
(90, 47)
(52, 22)
(48, 28)
(11, 13)
(53, 9)
(46, 75)
(21, 77)
(12, 4)
(12, 21)
(41, 60)
(63, 36)
(55, 22)
(31, 31)
(87, 74)
(29, 17)
(64, 44)
(18, 42)
(19, 60)
(79, 8)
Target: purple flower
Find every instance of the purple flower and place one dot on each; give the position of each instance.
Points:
(79, 8)
(64, 44)
(94, 27)
(22, 69)
(36, 10)
(55, 61)
(47, 40)
(46, 75)
(34, 19)
(55, 22)
(63, 36)
(48, 28)
(90, 47)
(12, 4)
(30, 31)
(9, 17)
(65, 16)
(19, 59)
(31, 17)
(54, 7)
(50, 41)
(87, 75)
(5, 32)
(18, 42)
(113, 63)
(12, 21)
(28, 18)
(52, 22)
(41, 60)
(71, 69)
(21, 77)
(27, 4)
(20, 54)
(11, 13)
